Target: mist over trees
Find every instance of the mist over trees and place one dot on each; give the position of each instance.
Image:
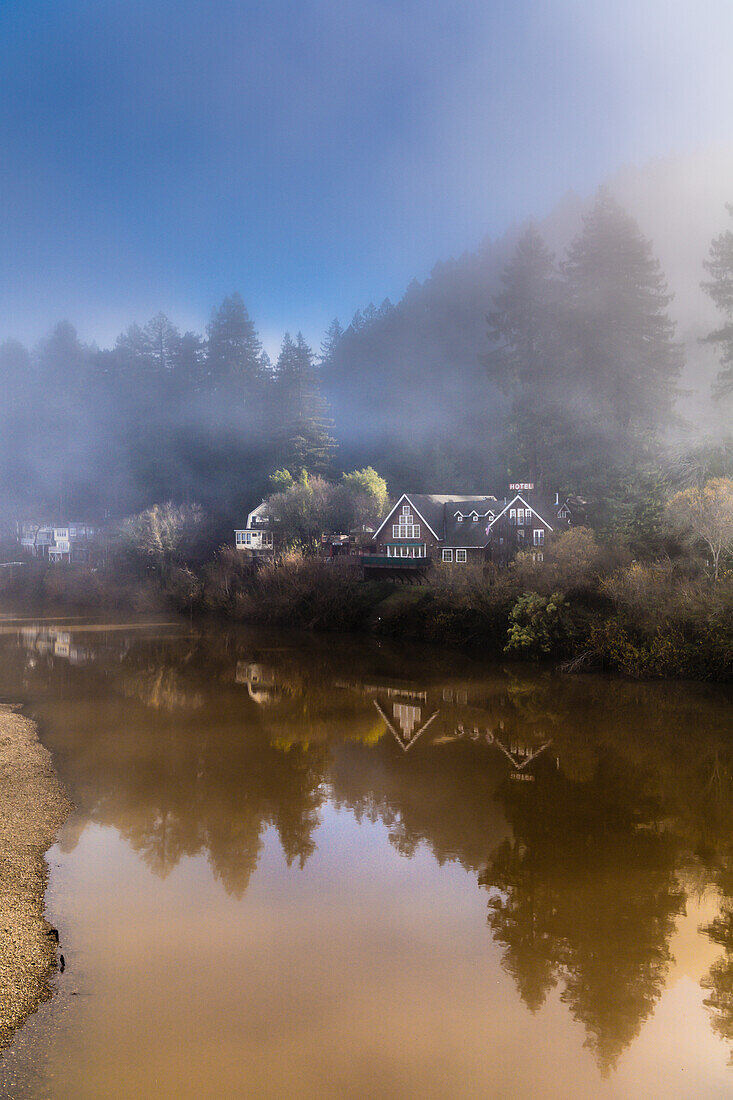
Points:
(720, 288)
(550, 354)
(162, 415)
(585, 350)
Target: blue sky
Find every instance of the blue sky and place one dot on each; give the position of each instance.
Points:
(317, 154)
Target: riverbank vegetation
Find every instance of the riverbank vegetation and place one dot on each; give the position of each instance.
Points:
(588, 605)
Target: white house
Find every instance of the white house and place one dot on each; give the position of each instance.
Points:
(257, 536)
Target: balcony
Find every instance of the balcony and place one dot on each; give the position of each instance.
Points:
(401, 569)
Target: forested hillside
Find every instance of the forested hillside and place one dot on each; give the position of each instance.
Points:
(415, 390)
(562, 351)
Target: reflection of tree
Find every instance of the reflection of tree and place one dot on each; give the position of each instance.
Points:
(719, 980)
(520, 915)
(179, 765)
(442, 796)
(586, 895)
(156, 737)
(221, 801)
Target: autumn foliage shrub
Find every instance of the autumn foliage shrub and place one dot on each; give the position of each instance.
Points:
(665, 623)
(304, 591)
(459, 604)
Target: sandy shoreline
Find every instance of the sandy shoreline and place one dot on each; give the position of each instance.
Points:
(33, 806)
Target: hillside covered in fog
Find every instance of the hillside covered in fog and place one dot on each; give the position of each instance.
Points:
(410, 382)
(413, 388)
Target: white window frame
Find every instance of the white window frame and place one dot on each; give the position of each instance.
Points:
(461, 555)
(538, 536)
(447, 555)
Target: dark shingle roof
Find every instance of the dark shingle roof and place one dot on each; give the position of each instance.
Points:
(440, 512)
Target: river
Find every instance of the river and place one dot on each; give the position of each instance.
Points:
(338, 867)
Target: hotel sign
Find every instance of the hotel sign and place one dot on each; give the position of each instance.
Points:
(519, 485)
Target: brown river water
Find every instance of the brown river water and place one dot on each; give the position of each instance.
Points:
(338, 867)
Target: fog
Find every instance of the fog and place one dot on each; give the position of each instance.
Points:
(316, 159)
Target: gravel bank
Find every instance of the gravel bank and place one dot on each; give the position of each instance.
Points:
(32, 808)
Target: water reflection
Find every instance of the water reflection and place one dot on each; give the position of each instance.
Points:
(587, 809)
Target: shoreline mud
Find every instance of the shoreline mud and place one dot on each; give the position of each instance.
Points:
(33, 806)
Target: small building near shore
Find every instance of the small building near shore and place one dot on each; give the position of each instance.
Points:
(258, 537)
(65, 542)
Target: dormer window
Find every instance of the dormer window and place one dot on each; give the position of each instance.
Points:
(459, 517)
(474, 517)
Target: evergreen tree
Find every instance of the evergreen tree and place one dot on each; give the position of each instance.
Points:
(64, 362)
(525, 361)
(134, 353)
(189, 365)
(306, 443)
(331, 340)
(720, 289)
(625, 361)
(234, 350)
(161, 342)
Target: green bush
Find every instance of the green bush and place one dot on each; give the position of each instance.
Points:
(539, 625)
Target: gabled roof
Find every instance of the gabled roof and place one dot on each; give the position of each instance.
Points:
(437, 511)
(523, 502)
(572, 501)
(260, 512)
(426, 514)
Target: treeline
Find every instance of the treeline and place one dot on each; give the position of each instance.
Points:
(514, 362)
(507, 364)
(161, 415)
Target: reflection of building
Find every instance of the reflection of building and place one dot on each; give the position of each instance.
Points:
(55, 642)
(520, 754)
(409, 718)
(260, 681)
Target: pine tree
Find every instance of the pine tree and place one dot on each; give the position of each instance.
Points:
(234, 351)
(189, 365)
(306, 442)
(161, 340)
(720, 289)
(526, 361)
(626, 363)
(331, 340)
(133, 353)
